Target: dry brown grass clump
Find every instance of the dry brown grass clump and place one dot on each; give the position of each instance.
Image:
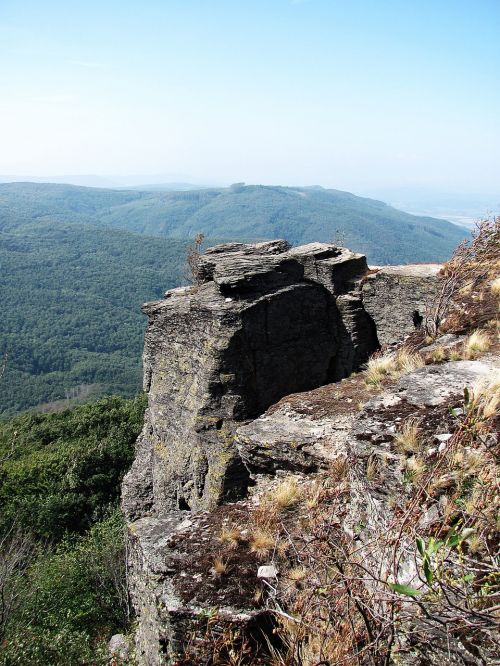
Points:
(408, 439)
(495, 287)
(476, 343)
(219, 565)
(230, 535)
(262, 541)
(392, 365)
(378, 367)
(285, 495)
(468, 297)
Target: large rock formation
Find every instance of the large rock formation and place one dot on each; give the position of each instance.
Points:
(263, 321)
(397, 297)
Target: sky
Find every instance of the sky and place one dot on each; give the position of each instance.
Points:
(351, 94)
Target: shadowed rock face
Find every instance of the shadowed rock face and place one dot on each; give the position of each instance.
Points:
(266, 321)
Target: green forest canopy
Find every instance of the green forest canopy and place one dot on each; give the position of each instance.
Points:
(76, 263)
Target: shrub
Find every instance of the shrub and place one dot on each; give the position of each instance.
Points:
(70, 598)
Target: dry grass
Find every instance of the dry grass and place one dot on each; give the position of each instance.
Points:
(262, 541)
(219, 566)
(407, 362)
(408, 439)
(230, 535)
(415, 469)
(372, 469)
(339, 469)
(438, 355)
(284, 496)
(392, 366)
(476, 343)
(486, 397)
(297, 574)
(495, 287)
(378, 367)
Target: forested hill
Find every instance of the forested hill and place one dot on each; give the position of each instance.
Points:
(73, 276)
(71, 324)
(253, 212)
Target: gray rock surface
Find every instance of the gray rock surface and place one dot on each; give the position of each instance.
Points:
(175, 594)
(119, 647)
(393, 294)
(288, 440)
(265, 321)
(212, 361)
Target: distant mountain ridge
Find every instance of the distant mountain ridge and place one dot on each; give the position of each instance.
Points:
(76, 263)
(240, 212)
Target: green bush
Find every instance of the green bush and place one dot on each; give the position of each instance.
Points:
(73, 599)
(62, 539)
(61, 472)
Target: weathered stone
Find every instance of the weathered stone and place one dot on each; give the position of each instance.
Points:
(211, 362)
(266, 321)
(396, 298)
(267, 572)
(165, 589)
(291, 441)
(119, 647)
(434, 384)
(336, 268)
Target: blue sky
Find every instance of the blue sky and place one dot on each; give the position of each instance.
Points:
(355, 94)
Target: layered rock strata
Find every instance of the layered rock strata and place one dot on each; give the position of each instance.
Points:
(264, 321)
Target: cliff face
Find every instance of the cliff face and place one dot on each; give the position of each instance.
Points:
(265, 321)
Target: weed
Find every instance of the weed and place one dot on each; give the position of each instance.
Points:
(379, 367)
(262, 542)
(219, 566)
(284, 496)
(415, 469)
(408, 440)
(230, 535)
(407, 362)
(372, 469)
(495, 286)
(477, 342)
(438, 355)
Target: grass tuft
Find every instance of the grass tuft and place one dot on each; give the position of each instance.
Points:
(284, 496)
(495, 286)
(261, 542)
(477, 342)
(231, 536)
(219, 566)
(407, 440)
(379, 367)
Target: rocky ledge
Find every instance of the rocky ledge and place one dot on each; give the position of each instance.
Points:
(264, 321)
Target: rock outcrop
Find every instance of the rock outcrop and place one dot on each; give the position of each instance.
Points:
(264, 321)
(396, 297)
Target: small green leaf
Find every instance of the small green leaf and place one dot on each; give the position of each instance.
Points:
(421, 546)
(429, 576)
(466, 396)
(453, 541)
(407, 590)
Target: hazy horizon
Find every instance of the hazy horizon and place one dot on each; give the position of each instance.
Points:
(355, 96)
